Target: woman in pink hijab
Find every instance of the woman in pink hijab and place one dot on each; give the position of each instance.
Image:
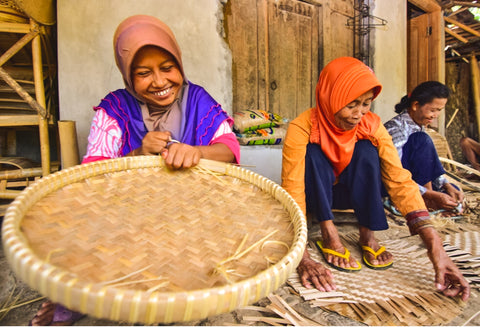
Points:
(158, 112)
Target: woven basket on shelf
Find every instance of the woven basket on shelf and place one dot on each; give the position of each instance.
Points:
(128, 239)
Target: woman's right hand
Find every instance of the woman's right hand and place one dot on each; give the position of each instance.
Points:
(438, 200)
(314, 274)
(153, 143)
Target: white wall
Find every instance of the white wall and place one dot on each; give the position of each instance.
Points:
(86, 64)
(390, 54)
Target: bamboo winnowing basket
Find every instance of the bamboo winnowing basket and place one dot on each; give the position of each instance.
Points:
(128, 239)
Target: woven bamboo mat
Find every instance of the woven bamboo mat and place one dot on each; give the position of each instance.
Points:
(401, 295)
(464, 249)
(217, 240)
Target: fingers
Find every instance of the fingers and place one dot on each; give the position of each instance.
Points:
(452, 283)
(155, 142)
(180, 155)
(313, 273)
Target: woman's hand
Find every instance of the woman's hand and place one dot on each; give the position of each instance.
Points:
(438, 200)
(455, 193)
(152, 144)
(312, 272)
(181, 155)
(448, 278)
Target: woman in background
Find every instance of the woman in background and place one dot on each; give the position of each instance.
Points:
(416, 149)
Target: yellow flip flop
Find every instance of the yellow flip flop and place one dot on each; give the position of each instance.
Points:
(346, 256)
(375, 254)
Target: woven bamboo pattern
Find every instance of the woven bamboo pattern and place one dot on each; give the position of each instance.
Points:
(128, 239)
(464, 249)
(403, 295)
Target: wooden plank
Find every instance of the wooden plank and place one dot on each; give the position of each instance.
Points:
(242, 37)
(293, 38)
(462, 26)
(455, 35)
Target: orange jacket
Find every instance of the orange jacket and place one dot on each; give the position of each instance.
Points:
(402, 189)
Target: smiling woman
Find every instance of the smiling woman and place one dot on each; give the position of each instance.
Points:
(158, 112)
(158, 104)
(416, 149)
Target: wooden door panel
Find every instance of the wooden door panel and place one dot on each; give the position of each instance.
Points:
(293, 56)
(242, 39)
(275, 48)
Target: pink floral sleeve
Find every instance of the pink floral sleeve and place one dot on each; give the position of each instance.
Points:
(104, 141)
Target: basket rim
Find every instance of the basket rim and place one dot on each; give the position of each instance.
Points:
(44, 277)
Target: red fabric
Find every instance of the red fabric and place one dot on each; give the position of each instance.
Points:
(93, 158)
(341, 82)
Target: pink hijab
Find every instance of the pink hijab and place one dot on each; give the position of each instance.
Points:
(136, 32)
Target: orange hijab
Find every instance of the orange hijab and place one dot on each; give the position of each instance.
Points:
(341, 82)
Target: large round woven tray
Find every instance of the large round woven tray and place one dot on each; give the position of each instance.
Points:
(129, 240)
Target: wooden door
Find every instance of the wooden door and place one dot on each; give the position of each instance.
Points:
(426, 58)
(275, 53)
(425, 51)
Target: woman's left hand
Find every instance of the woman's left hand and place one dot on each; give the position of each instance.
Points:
(181, 155)
(448, 278)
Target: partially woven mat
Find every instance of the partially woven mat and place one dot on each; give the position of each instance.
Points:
(146, 244)
(464, 249)
(401, 295)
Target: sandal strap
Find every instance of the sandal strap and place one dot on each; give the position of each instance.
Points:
(375, 254)
(335, 253)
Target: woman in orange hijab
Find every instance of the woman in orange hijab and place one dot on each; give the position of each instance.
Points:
(337, 156)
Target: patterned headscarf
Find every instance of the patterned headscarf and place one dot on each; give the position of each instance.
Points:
(341, 82)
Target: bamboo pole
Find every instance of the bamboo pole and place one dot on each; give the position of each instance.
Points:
(17, 47)
(40, 95)
(24, 94)
(68, 143)
(20, 173)
(9, 194)
(15, 28)
(475, 78)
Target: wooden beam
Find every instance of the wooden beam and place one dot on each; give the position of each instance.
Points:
(462, 26)
(426, 5)
(455, 35)
(466, 4)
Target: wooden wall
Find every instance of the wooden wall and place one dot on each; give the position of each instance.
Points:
(278, 48)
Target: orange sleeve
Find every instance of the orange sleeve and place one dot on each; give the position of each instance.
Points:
(293, 158)
(398, 181)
